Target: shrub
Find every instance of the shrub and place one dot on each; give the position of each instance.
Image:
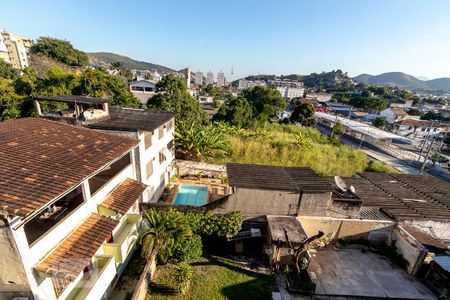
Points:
(189, 248)
(183, 276)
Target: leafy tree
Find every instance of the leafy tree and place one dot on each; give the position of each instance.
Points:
(338, 129)
(60, 50)
(266, 102)
(173, 95)
(414, 112)
(98, 83)
(189, 248)
(304, 114)
(379, 122)
(10, 102)
(435, 157)
(197, 142)
(215, 224)
(236, 111)
(7, 71)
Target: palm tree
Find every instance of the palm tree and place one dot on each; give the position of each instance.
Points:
(158, 235)
(160, 232)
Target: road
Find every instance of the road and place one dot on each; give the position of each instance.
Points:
(406, 166)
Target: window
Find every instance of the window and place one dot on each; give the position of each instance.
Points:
(170, 125)
(149, 89)
(52, 215)
(162, 158)
(422, 129)
(170, 145)
(149, 169)
(160, 132)
(99, 180)
(148, 140)
(137, 88)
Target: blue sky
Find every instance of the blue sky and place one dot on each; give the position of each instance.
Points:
(253, 36)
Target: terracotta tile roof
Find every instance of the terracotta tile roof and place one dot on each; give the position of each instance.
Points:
(41, 159)
(421, 123)
(424, 238)
(75, 253)
(124, 196)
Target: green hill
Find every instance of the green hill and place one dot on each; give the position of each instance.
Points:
(105, 59)
(405, 81)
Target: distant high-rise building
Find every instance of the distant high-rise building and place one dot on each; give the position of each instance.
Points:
(199, 78)
(186, 73)
(210, 78)
(220, 79)
(14, 49)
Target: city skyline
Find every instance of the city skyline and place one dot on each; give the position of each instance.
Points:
(255, 37)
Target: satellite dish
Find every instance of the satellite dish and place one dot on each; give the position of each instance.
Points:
(87, 115)
(340, 183)
(352, 189)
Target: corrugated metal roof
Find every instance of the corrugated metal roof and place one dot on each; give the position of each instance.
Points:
(443, 261)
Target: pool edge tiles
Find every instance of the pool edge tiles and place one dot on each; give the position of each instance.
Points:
(195, 195)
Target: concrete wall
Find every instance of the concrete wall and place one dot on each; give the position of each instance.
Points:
(257, 202)
(411, 250)
(344, 209)
(438, 229)
(315, 204)
(374, 231)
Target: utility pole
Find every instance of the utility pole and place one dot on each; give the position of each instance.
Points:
(425, 141)
(422, 168)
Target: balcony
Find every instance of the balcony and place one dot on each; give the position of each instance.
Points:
(123, 239)
(95, 283)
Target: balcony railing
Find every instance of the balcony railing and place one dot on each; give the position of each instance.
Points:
(95, 283)
(124, 239)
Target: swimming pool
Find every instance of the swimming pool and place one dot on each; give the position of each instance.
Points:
(192, 195)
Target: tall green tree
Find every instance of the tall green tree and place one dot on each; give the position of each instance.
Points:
(266, 102)
(236, 112)
(304, 114)
(10, 102)
(60, 50)
(98, 83)
(7, 71)
(173, 95)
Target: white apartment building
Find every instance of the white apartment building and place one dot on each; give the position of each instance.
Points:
(220, 79)
(199, 78)
(209, 78)
(291, 92)
(143, 89)
(69, 205)
(17, 49)
(155, 131)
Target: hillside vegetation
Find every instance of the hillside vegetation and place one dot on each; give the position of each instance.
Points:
(290, 145)
(405, 81)
(105, 59)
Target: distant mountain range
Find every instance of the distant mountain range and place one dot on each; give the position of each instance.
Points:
(404, 81)
(105, 59)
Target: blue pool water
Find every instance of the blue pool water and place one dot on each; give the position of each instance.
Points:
(192, 195)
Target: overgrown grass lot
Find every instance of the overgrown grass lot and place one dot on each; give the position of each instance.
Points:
(214, 278)
(290, 145)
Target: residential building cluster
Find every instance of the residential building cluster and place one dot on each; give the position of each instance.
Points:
(71, 188)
